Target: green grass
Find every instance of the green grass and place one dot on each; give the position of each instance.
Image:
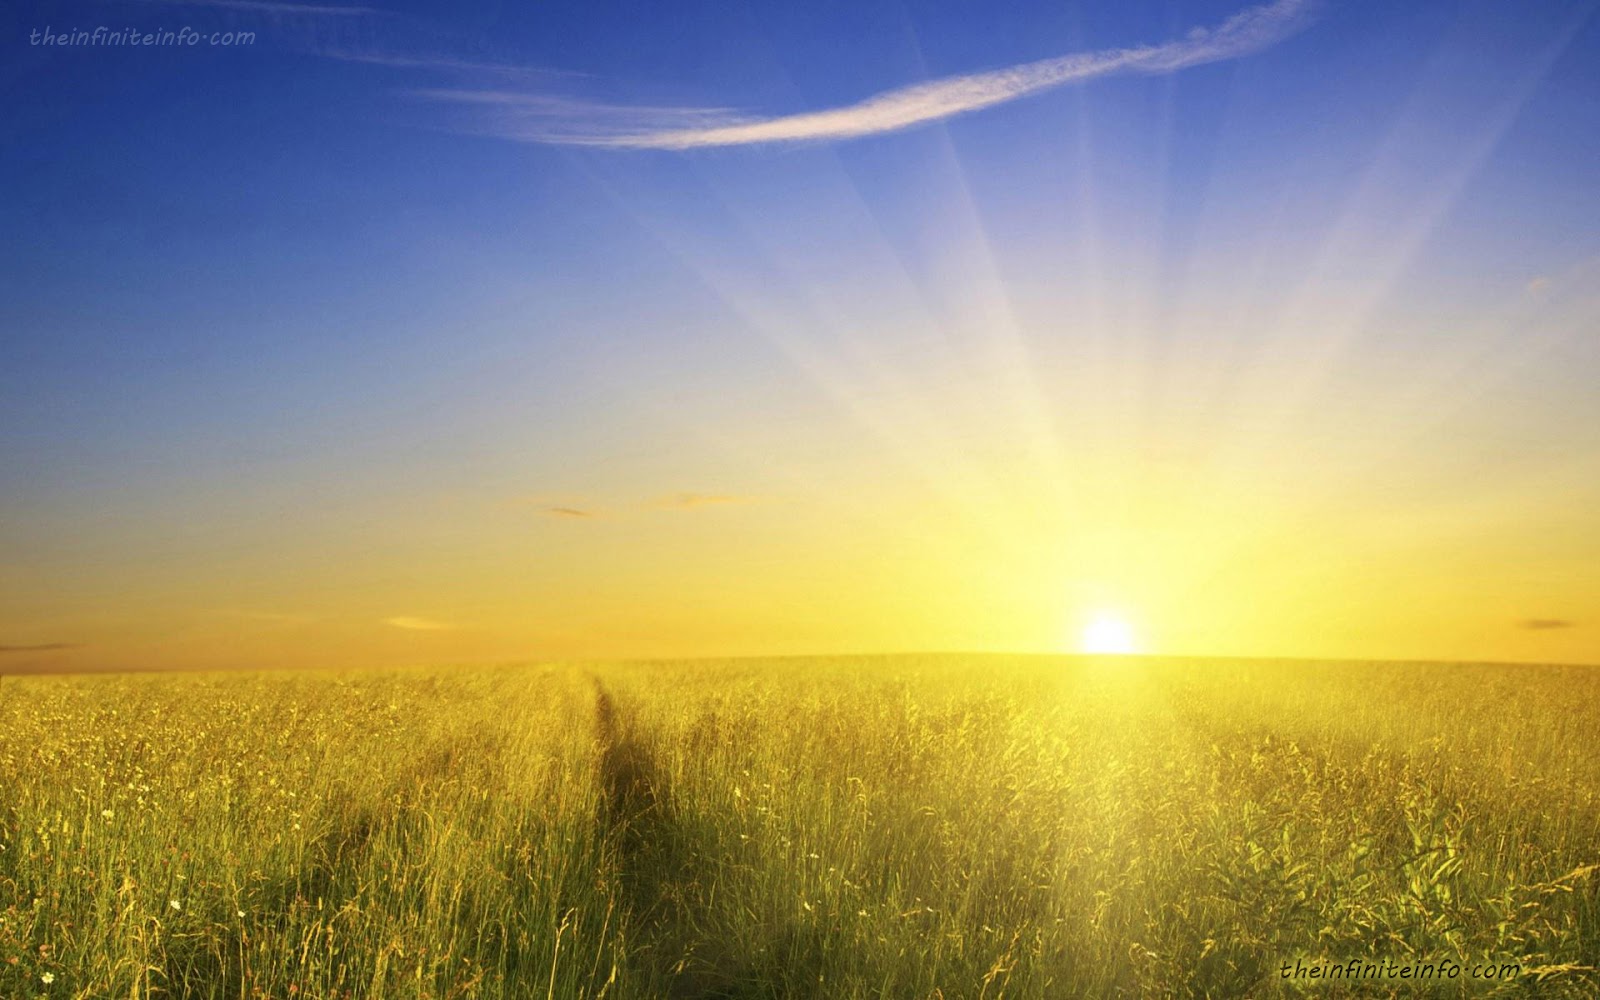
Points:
(946, 827)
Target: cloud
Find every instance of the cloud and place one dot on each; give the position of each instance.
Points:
(1546, 624)
(565, 512)
(1538, 286)
(272, 7)
(668, 501)
(275, 617)
(698, 501)
(42, 647)
(557, 120)
(418, 624)
(422, 59)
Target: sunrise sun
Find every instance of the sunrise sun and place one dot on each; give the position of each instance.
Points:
(1106, 634)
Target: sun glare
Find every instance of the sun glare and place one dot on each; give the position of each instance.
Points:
(1104, 634)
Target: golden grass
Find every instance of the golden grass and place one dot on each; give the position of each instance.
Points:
(946, 827)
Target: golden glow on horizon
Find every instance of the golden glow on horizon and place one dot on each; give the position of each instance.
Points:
(1107, 634)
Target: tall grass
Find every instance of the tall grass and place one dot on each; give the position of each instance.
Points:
(935, 827)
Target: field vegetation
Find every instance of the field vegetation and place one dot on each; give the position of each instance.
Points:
(934, 827)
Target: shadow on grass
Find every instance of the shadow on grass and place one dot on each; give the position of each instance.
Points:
(667, 877)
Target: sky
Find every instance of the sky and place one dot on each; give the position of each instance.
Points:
(401, 333)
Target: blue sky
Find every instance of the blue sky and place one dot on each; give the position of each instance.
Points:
(289, 325)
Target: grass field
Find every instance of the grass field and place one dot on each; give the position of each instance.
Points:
(947, 827)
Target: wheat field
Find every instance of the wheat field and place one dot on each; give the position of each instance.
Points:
(920, 827)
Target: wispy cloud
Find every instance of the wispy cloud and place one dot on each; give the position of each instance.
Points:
(472, 69)
(556, 120)
(698, 501)
(274, 617)
(272, 7)
(578, 508)
(41, 647)
(565, 512)
(418, 624)
(1546, 624)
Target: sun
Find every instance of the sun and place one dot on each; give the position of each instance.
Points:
(1106, 634)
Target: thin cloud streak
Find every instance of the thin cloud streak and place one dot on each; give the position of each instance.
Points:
(418, 624)
(446, 64)
(566, 512)
(42, 647)
(563, 121)
(699, 501)
(272, 7)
